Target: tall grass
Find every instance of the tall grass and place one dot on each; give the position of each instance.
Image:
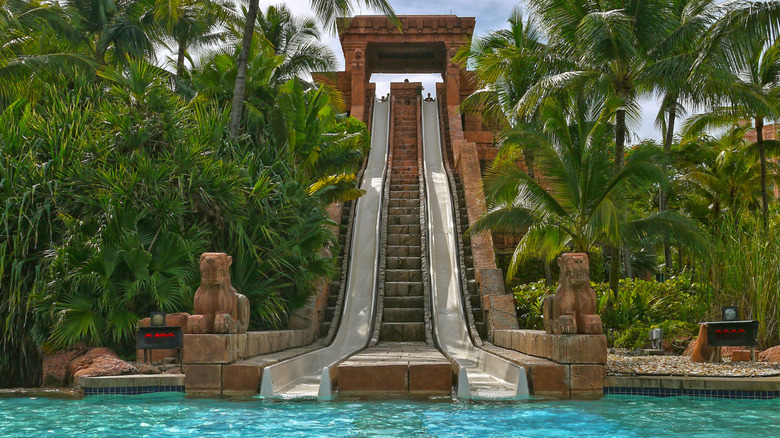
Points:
(745, 271)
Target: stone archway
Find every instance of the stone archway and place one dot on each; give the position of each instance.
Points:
(373, 44)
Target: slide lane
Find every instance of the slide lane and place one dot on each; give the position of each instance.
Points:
(481, 374)
(308, 376)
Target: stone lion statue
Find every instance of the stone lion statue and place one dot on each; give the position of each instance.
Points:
(572, 308)
(218, 307)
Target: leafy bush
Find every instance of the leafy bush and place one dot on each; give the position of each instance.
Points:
(677, 333)
(109, 200)
(532, 271)
(528, 301)
(641, 301)
(675, 306)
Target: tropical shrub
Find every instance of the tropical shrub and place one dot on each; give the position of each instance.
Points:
(109, 200)
(676, 306)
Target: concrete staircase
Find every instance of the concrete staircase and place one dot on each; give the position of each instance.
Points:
(468, 258)
(403, 317)
(334, 286)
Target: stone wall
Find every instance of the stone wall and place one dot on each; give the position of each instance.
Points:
(207, 356)
(579, 361)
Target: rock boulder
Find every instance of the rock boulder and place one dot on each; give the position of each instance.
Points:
(770, 355)
(55, 367)
(99, 362)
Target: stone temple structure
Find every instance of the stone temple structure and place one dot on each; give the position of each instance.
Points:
(428, 44)
(317, 356)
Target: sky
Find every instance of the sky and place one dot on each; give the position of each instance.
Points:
(490, 15)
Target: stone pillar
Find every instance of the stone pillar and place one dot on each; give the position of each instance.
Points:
(357, 64)
(452, 76)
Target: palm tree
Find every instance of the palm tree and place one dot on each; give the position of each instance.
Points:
(752, 92)
(671, 65)
(326, 11)
(285, 47)
(296, 40)
(38, 46)
(583, 200)
(506, 64)
(726, 174)
(189, 24)
(608, 45)
(113, 30)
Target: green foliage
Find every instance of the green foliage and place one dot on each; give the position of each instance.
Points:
(583, 201)
(115, 177)
(528, 302)
(533, 270)
(676, 333)
(653, 302)
(676, 306)
(745, 272)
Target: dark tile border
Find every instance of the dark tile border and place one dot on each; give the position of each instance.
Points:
(132, 390)
(706, 393)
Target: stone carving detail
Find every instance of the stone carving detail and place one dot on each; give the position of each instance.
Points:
(357, 58)
(218, 307)
(572, 308)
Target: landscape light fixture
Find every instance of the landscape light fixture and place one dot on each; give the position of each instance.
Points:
(656, 338)
(157, 319)
(729, 313)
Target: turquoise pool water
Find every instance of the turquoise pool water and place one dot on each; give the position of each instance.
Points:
(169, 415)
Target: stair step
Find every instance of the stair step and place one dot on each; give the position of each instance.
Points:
(408, 194)
(404, 263)
(404, 229)
(403, 251)
(404, 203)
(403, 289)
(475, 301)
(329, 312)
(481, 329)
(405, 219)
(402, 315)
(324, 328)
(402, 331)
(394, 275)
(405, 187)
(403, 239)
(404, 302)
(333, 299)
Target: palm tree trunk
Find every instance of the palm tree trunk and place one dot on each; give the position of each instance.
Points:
(620, 137)
(614, 272)
(662, 199)
(239, 90)
(627, 262)
(762, 154)
(180, 59)
(547, 273)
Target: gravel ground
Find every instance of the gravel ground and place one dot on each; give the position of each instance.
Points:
(682, 366)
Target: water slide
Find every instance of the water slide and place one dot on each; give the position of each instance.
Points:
(481, 374)
(308, 375)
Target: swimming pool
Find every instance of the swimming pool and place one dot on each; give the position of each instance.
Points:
(172, 415)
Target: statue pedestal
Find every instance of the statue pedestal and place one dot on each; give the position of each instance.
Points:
(581, 360)
(214, 363)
